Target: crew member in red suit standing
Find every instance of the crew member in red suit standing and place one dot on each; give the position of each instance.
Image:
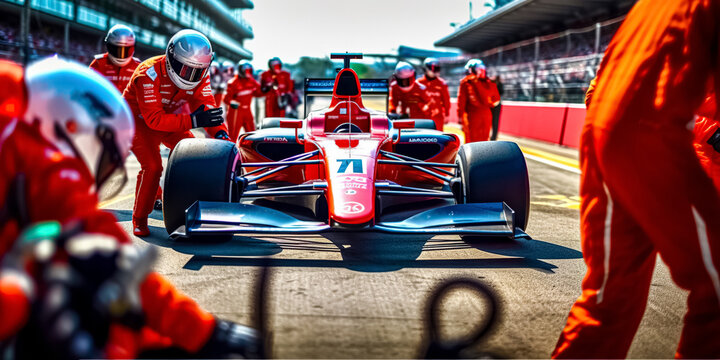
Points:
(408, 98)
(118, 63)
(643, 189)
(476, 97)
(277, 85)
(157, 93)
(240, 91)
(64, 135)
(437, 90)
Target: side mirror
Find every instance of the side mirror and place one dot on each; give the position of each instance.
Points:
(291, 124)
(404, 124)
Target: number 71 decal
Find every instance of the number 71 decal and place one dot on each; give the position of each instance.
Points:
(351, 166)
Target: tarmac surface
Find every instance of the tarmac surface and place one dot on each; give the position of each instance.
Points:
(363, 295)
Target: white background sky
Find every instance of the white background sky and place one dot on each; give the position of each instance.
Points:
(290, 29)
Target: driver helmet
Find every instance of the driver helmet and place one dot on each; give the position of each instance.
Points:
(431, 67)
(404, 75)
(245, 69)
(188, 57)
(228, 68)
(476, 67)
(120, 45)
(275, 65)
(84, 116)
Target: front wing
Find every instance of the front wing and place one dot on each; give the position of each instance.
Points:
(217, 218)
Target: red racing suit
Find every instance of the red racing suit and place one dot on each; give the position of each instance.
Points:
(475, 99)
(437, 90)
(119, 76)
(643, 189)
(284, 86)
(161, 112)
(240, 90)
(58, 188)
(415, 102)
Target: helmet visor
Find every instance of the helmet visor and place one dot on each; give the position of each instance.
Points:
(403, 83)
(433, 67)
(120, 52)
(185, 72)
(111, 176)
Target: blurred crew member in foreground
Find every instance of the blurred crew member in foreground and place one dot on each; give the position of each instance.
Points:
(118, 63)
(159, 91)
(477, 95)
(643, 189)
(438, 92)
(408, 98)
(240, 91)
(64, 135)
(277, 85)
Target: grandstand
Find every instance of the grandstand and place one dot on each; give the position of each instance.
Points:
(542, 50)
(76, 28)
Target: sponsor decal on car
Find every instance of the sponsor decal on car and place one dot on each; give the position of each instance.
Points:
(352, 207)
(423, 140)
(275, 139)
(351, 166)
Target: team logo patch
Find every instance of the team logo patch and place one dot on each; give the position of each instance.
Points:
(151, 73)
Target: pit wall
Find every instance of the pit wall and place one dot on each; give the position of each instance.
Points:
(556, 123)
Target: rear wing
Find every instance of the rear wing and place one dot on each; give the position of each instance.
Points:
(370, 87)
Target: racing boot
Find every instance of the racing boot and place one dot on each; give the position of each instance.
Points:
(158, 199)
(140, 227)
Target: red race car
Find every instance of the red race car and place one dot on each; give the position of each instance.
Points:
(346, 167)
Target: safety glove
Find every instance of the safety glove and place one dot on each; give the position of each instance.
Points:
(714, 140)
(206, 117)
(222, 135)
(232, 341)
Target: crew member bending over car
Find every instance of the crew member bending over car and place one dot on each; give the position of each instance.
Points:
(277, 85)
(477, 95)
(408, 98)
(240, 91)
(437, 90)
(118, 63)
(643, 190)
(158, 91)
(64, 135)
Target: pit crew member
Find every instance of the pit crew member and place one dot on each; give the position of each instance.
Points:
(159, 94)
(437, 90)
(277, 85)
(643, 190)
(118, 63)
(64, 135)
(477, 95)
(240, 91)
(408, 98)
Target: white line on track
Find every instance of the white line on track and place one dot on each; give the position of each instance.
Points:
(553, 163)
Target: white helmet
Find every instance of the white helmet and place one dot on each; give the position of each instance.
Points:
(84, 116)
(431, 66)
(228, 67)
(473, 65)
(189, 55)
(120, 44)
(404, 75)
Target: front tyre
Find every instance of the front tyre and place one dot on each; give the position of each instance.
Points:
(495, 171)
(197, 170)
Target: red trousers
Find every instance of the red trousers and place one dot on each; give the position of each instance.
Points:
(237, 119)
(643, 193)
(146, 147)
(477, 125)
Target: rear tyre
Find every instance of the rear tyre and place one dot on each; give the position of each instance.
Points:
(495, 172)
(198, 169)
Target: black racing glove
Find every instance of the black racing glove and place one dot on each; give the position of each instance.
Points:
(206, 118)
(714, 140)
(232, 341)
(266, 87)
(222, 135)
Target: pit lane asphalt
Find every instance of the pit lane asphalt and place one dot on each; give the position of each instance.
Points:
(363, 295)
